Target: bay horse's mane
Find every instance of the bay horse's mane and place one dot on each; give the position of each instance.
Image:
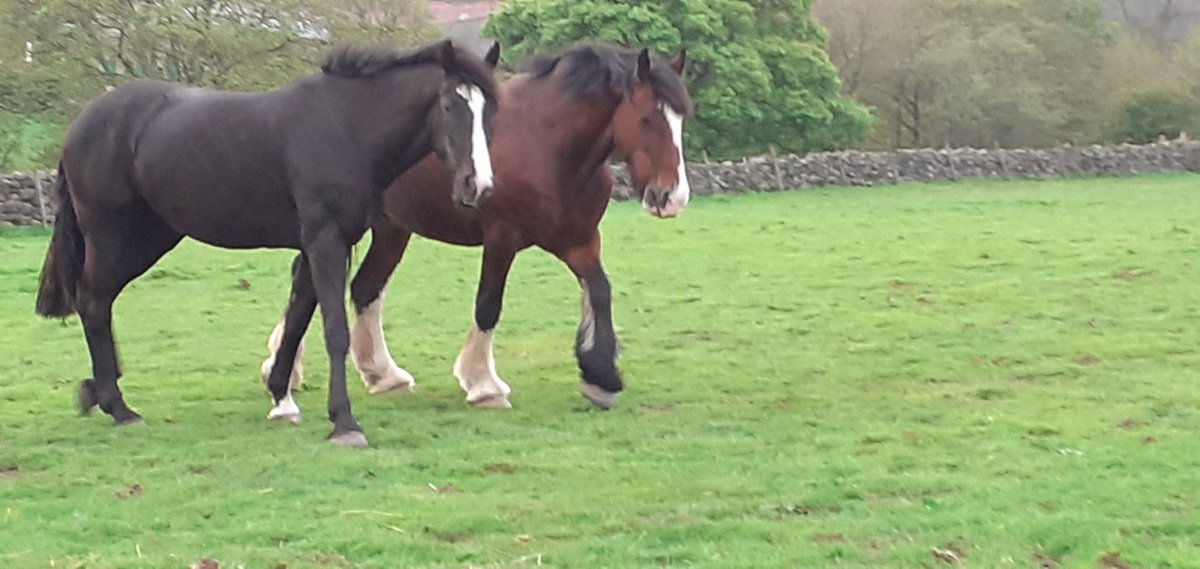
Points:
(597, 70)
(352, 60)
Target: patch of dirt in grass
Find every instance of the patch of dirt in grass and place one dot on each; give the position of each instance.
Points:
(500, 468)
(10, 472)
(133, 492)
(446, 537)
(1130, 276)
(206, 564)
(950, 554)
(1046, 561)
(783, 511)
(829, 538)
(1086, 360)
(1112, 560)
(1129, 424)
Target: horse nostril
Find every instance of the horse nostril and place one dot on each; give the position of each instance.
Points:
(663, 198)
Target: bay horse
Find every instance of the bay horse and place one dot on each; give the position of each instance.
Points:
(557, 126)
(301, 167)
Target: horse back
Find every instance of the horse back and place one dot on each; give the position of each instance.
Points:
(101, 142)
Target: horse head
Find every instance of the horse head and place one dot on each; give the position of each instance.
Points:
(648, 131)
(461, 122)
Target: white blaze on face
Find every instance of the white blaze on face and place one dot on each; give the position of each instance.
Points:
(679, 195)
(480, 157)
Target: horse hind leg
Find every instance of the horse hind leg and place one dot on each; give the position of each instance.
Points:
(296, 379)
(475, 366)
(275, 341)
(286, 343)
(368, 347)
(114, 255)
(369, 351)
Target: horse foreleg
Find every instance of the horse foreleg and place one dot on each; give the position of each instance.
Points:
(286, 343)
(328, 256)
(368, 348)
(475, 366)
(596, 342)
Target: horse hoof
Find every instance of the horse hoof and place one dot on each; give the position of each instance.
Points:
(349, 439)
(133, 421)
(87, 397)
(492, 402)
(291, 418)
(393, 386)
(598, 396)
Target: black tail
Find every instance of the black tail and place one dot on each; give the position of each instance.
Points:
(64, 260)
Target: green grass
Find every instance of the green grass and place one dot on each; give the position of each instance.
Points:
(853, 378)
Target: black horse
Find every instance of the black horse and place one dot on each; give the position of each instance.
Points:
(302, 167)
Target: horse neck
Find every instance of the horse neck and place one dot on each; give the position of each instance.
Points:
(581, 133)
(376, 104)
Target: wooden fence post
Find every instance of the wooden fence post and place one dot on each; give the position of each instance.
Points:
(1003, 154)
(41, 197)
(954, 177)
(775, 165)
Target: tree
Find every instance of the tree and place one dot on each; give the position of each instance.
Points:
(1161, 23)
(757, 70)
(1151, 115)
(972, 72)
(80, 48)
(238, 44)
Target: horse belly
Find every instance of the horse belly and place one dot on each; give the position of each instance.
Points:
(420, 201)
(237, 210)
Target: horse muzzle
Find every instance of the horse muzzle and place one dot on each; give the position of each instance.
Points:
(471, 190)
(664, 203)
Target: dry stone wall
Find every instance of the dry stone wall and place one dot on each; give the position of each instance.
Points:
(25, 199)
(21, 202)
(852, 168)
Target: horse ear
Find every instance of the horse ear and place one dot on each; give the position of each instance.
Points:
(447, 56)
(680, 62)
(643, 65)
(493, 55)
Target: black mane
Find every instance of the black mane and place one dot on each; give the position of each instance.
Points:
(367, 61)
(596, 70)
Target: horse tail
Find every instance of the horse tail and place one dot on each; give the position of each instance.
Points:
(64, 259)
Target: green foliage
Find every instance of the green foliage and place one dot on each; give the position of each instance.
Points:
(29, 142)
(10, 145)
(1148, 116)
(81, 48)
(818, 378)
(757, 70)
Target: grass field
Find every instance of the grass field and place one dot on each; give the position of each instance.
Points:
(987, 374)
